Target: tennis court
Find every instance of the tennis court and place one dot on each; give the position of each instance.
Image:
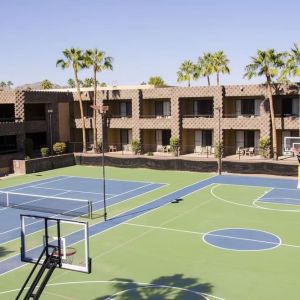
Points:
(62, 195)
(193, 236)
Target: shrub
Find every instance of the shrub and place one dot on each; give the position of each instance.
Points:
(99, 147)
(45, 151)
(174, 143)
(26, 157)
(150, 153)
(219, 150)
(264, 146)
(28, 147)
(59, 148)
(135, 146)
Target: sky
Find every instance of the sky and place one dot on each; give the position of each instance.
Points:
(144, 37)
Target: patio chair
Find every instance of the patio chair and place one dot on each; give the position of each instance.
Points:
(240, 151)
(250, 151)
(198, 150)
(159, 148)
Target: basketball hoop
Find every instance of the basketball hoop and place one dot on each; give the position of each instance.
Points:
(67, 257)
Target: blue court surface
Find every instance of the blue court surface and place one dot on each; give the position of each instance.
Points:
(242, 239)
(58, 195)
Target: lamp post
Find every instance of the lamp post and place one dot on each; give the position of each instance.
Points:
(102, 109)
(219, 141)
(50, 111)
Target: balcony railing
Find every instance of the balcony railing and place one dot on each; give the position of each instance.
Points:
(286, 115)
(240, 115)
(155, 116)
(199, 116)
(10, 120)
(120, 116)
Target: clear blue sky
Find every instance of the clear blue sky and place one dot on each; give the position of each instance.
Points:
(145, 37)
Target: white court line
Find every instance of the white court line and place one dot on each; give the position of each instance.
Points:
(217, 235)
(116, 179)
(56, 189)
(257, 186)
(141, 284)
(41, 183)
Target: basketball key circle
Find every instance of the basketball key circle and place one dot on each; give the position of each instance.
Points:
(242, 239)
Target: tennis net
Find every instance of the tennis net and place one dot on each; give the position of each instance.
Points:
(49, 204)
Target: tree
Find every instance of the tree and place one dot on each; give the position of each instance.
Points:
(292, 66)
(2, 84)
(103, 84)
(220, 64)
(156, 80)
(46, 84)
(187, 72)
(9, 84)
(71, 83)
(99, 62)
(205, 66)
(74, 58)
(87, 82)
(267, 63)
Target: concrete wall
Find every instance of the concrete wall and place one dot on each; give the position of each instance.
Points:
(270, 168)
(43, 164)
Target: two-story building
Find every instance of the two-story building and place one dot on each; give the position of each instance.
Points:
(238, 116)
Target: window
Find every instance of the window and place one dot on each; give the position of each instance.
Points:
(7, 112)
(163, 137)
(124, 136)
(248, 107)
(8, 143)
(287, 106)
(248, 138)
(35, 112)
(203, 138)
(125, 109)
(162, 108)
(203, 107)
(166, 135)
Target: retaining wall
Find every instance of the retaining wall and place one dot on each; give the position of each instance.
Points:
(43, 164)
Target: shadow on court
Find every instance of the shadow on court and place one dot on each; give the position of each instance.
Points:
(175, 287)
(4, 252)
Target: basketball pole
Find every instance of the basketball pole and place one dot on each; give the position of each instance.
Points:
(102, 109)
(298, 156)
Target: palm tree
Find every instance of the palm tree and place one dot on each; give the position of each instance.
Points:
(88, 82)
(267, 63)
(9, 84)
(220, 64)
(205, 66)
(74, 59)
(46, 84)
(71, 83)
(187, 72)
(292, 66)
(156, 81)
(96, 59)
(2, 84)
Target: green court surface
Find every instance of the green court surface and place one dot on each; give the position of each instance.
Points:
(162, 253)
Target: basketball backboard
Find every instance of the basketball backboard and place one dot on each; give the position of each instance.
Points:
(68, 239)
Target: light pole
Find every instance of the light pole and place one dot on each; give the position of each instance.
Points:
(219, 141)
(50, 111)
(102, 109)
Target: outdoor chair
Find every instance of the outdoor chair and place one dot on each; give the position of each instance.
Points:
(198, 150)
(250, 151)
